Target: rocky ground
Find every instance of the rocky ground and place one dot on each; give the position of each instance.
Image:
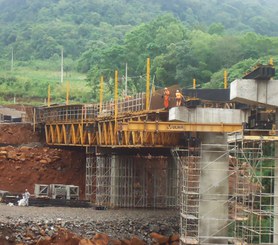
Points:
(28, 225)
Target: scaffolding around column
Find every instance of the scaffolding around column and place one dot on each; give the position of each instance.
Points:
(132, 181)
(197, 196)
(252, 205)
(250, 198)
(189, 193)
(90, 173)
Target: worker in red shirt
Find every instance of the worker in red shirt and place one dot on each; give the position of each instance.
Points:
(166, 98)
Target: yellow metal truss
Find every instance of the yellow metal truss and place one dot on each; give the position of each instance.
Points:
(127, 132)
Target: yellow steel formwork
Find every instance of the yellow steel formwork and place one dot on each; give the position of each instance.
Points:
(127, 133)
(133, 126)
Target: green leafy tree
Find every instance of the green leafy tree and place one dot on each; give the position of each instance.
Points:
(216, 28)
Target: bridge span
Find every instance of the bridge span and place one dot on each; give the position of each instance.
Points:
(133, 126)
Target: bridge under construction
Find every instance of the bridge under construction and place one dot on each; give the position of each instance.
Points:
(213, 159)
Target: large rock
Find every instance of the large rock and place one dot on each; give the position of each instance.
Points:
(136, 241)
(101, 239)
(86, 242)
(159, 239)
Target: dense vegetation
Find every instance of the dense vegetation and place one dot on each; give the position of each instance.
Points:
(185, 39)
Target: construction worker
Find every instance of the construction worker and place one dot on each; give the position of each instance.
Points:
(26, 196)
(178, 98)
(166, 98)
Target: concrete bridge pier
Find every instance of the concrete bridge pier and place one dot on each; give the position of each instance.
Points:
(213, 209)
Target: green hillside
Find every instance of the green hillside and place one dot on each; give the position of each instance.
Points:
(185, 39)
(38, 29)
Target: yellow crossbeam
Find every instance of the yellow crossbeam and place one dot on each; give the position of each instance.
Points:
(179, 127)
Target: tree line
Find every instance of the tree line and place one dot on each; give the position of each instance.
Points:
(178, 55)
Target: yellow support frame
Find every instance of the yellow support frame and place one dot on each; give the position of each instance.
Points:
(133, 132)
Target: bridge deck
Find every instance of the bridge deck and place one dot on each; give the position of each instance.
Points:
(135, 129)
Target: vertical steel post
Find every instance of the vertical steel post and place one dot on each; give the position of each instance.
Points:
(116, 95)
(62, 65)
(67, 94)
(125, 79)
(100, 94)
(225, 79)
(48, 96)
(148, 85)
(116, 105)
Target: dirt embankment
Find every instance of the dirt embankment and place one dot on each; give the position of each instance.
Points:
(18, 134)
(24, 161)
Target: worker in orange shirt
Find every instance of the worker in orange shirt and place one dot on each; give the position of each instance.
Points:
(166, 98)
(178, 98)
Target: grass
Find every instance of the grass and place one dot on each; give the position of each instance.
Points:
(28, 83)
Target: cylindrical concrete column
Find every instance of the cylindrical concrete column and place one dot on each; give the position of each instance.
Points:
(213, 210)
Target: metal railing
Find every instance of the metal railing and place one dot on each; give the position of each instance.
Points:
(87, 112)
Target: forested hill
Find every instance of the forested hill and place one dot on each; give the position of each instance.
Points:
(38, 29)
(185, 39)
